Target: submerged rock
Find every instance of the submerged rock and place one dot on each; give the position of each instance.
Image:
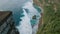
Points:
(34, 17)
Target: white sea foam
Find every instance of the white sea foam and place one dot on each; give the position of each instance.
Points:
(26, 27)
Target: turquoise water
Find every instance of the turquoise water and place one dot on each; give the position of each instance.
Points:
(34, 21)
(37, 7)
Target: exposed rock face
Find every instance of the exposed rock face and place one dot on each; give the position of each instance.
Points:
(34, 17)
(7, 24)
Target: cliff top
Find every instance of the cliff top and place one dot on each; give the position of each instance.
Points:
(4, 15)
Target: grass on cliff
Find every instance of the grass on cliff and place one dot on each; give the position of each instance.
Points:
(51, 24)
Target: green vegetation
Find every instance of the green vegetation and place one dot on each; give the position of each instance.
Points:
(41, 1)
(51, 20)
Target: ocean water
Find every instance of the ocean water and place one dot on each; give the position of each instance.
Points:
(29, 25)
(23, 12)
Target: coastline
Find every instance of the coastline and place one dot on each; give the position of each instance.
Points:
(41, 18)
(41, 7)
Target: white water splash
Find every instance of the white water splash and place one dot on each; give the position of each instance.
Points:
(25, 27)
(32, 10)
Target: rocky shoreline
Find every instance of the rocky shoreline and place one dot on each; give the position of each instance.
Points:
(40, 5)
